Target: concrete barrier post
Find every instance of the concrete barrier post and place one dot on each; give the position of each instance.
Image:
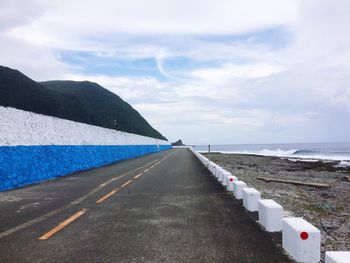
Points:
(230, 180)
(270, 215)
(219, 174)
(225, 174)
(250, 199)
(301, 240)
(337, 257)
(215, 171)
(212, 168)
(237, 189)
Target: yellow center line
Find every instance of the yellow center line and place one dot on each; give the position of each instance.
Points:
(99, 201)
(103, 198)
(84, 210)
(137, 176)
(125, 184)
(63, 224)
(70, 204)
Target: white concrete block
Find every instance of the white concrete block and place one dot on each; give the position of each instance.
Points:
(227, 174)
(230, 180)
(211, 168)
(301, 240)
(214, 169)
(224, 177)
(337, 257)
(237, 189)
(217, 173)
(220, 174)
(250, 199)
(270, 215)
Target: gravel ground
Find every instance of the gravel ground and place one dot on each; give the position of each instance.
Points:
(326, 208)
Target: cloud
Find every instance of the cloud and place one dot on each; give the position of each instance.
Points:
(38, 63)
(243, 108)
(15, 13)
(229, 72)
(79, 19)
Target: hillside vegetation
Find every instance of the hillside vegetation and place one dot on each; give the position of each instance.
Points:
(80, 101)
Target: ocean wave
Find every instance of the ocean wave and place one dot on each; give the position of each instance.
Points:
(306, 152)
(343, 164)
(302, 155)
(264, 152)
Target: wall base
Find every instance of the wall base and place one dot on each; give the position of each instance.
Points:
(24, 165)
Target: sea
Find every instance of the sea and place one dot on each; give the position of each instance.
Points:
(309, 152)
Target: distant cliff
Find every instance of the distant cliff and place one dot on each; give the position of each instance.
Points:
(82, 101)
(178, 143)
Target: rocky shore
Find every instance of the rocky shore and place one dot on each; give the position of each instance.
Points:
(326, 208)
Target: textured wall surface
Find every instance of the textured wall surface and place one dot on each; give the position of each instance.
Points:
(34, 148)
(19, 127)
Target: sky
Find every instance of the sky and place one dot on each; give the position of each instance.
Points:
(204, 71)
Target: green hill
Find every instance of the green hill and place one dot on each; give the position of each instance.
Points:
(80, 101)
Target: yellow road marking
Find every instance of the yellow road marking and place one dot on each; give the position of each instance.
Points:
(125, 184)
(99, 201)
(73, 203)
(137, 176)
(84, 210)
(63, 224)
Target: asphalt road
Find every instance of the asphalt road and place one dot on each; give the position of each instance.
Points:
(163, 207)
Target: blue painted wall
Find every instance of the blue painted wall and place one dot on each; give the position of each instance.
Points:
(24, 165)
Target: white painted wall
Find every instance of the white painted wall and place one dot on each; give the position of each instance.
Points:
(19, 127)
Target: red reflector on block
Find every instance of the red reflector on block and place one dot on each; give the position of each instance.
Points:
(304, 235)
(231, 180)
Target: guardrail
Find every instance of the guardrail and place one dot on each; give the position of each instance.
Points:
(300, 239)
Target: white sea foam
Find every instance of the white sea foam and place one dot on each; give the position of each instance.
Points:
(343, 164)
(265, 152)
(296, 155)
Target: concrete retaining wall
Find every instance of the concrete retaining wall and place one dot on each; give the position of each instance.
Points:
(35, 147)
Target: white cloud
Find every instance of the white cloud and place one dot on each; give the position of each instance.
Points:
(38, 63)
(14, 13)
(244, 111)
(254, 92)
(75, 20)
(230, 71)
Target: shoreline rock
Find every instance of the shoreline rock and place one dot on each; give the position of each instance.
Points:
(327, 209)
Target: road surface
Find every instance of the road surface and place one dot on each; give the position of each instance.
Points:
(164, 207)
